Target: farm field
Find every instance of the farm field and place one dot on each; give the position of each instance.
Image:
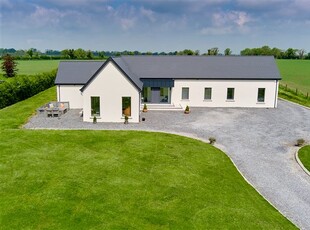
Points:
(31, 67)
(119, 180)
(295, 73)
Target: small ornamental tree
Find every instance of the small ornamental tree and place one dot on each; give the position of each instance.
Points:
(9, 66)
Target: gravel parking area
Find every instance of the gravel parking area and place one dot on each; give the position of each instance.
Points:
(259, 141)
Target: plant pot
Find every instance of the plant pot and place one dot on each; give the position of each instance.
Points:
(186, 112)
(144, 110)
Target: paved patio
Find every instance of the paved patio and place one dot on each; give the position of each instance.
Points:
(259, 141)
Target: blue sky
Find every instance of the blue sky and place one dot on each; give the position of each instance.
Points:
(155, 25)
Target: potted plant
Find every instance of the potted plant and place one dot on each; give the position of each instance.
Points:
(186, 111)
(144, 108)
(94, 120)
(126, 120)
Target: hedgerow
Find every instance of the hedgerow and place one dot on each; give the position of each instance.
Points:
(24, 86)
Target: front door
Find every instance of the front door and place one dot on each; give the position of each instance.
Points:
(155, 94)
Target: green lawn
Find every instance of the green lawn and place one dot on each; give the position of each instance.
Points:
(120, 180)
(304, 156)
(295, 73)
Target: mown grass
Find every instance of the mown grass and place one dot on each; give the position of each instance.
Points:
(295, 74)
(120, 180)
(304, 156)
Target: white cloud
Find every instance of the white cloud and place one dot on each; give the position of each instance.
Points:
(43, 16)
(127, 23)
(238, 18)
(148, 14)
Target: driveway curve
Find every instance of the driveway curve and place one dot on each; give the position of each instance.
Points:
(259, 141)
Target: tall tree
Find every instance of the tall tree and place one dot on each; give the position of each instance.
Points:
(301, 53)
(9, 66)
(227, 52)
(30, 52)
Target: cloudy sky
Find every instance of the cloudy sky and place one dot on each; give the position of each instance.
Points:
(155, 25)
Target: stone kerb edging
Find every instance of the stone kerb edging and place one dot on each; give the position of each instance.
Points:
(300, 163)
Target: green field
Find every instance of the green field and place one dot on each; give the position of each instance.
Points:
(296, 74)
(119, 180)
(304, 156)
(35, 66)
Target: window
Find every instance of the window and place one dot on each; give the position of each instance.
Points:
(126, 106)
(261, 95)
(208, 93)
(95, 106)
(185, 93)
(230, 93)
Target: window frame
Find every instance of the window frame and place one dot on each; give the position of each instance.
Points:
(258, 95)
(92, 105)
(185, 88)
(233, 94)
(123, 108)
(205, 98)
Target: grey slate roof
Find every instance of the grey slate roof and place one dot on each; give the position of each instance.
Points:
(76, 72)
(202, 67)
(175, 67)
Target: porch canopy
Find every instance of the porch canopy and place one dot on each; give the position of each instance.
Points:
(163, 83)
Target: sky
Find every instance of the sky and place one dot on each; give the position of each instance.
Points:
(154, 25)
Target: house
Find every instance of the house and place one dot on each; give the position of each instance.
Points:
(119, 86)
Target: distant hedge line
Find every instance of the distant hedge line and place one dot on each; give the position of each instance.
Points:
(22, 87)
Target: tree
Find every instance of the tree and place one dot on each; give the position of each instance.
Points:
(290, 53)
(227, 52)
(30, 52)
(89, 54)
(80, 53)
(213, 51)
(9, 66)
(301, 53)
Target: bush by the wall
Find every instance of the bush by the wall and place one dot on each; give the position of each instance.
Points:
(24, 86)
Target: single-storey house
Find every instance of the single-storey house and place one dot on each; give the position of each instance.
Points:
(121, 85)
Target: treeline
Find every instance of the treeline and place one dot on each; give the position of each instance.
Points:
(290, 53)
(79, 53)
(22, 87)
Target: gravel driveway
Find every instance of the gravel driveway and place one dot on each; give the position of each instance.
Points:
(259, 141)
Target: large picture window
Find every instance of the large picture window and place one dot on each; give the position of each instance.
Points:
(185, 93)
(261, 95)
(95, 106)
(126, 106)
(230, 93)
(208, 93)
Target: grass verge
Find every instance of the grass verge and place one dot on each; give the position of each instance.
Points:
(292, 96)
(120, 180)
(304, 156)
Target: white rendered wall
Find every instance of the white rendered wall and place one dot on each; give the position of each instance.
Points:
(111, 85)
(72, 94)
(245, 93)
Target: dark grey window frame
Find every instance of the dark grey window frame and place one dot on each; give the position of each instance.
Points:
(230, 95)
(205, 94)
(95, 106)
(261, 92)
(185, 95)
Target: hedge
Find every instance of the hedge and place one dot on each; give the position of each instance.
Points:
(21, 87)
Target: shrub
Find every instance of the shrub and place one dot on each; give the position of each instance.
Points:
(94, 120)
(300, 142)
(22, 87)
(212, 140)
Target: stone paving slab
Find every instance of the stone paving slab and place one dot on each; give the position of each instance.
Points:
(260, 142)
